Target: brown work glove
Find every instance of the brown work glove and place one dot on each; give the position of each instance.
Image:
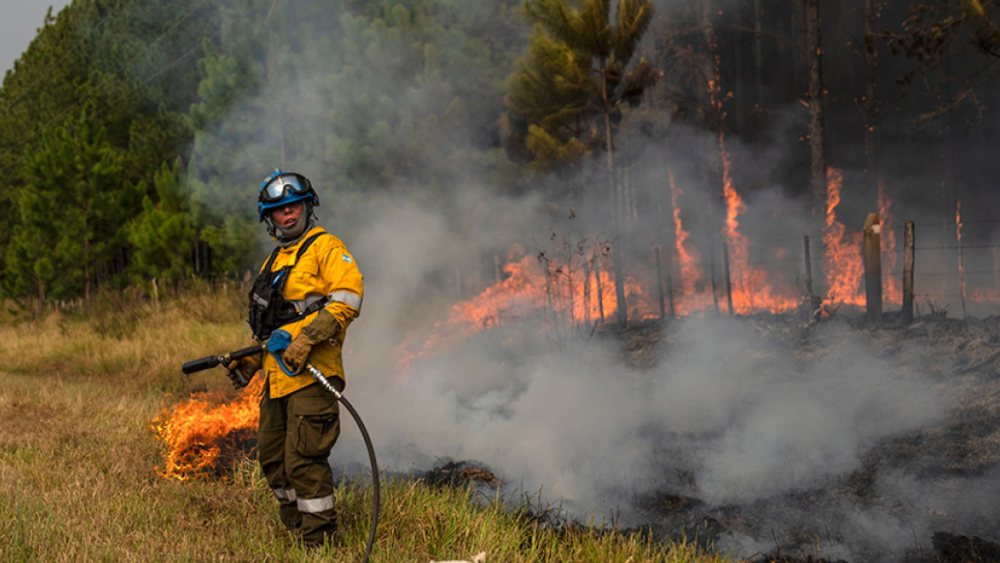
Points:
(241, 371)
(323, 327)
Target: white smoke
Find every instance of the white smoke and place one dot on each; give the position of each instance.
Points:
(732, 413)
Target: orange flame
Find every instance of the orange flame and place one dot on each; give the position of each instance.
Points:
(205, 434)
(521, 291)
(844, 268)
(751, 290)
(550, 290)
(891, 290)
(689, 262)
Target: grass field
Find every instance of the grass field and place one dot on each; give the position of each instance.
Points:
(78, 460)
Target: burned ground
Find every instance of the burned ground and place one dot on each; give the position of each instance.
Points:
(936, 483)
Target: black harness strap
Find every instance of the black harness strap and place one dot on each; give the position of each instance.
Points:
(268, 307)
(305, 245)
(323, 300)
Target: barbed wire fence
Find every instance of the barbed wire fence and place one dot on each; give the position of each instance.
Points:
(946, 274)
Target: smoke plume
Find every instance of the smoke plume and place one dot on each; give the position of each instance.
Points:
(739, 414)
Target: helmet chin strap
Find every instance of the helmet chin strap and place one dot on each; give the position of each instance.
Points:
(296, 230)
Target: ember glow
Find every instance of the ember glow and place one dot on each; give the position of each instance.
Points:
(205, 434)
(521, 291)
(558, 293)
(844, 269)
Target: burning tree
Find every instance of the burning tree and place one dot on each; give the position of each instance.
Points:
(588, 53)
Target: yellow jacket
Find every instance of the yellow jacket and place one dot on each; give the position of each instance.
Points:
(326, 268)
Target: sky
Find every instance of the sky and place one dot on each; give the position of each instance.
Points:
(19, 24)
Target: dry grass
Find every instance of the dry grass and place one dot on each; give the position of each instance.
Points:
(78, 461)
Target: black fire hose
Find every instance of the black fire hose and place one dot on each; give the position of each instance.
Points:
(321, 379)
(212, 361)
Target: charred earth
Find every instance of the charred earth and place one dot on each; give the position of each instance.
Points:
(927, 493)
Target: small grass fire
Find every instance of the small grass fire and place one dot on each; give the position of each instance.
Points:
(206, 435)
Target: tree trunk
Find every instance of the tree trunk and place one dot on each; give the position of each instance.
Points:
(86, 257)
(909, 243)
(872, 259)
(814, 56)
(617, 258)
(758, 35)
(737, 41)
(869, 102)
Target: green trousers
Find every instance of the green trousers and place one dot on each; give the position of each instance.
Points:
(295, 436)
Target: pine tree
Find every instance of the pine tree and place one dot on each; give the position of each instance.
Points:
(580, 68)
(236, 139)
(43, 82)
(72, 212)
(604, 42)
(162, 237)
(417, 93)
(126, 65)
(547, 100)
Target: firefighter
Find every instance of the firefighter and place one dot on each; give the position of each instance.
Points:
(309, 286)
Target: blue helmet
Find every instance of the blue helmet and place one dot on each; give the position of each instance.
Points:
(281, 188)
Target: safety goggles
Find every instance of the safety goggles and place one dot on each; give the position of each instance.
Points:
(280, 187)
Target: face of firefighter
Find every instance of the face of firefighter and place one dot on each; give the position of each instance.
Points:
(285, 216)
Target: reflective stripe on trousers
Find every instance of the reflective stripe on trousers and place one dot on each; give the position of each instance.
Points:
(313, 505)
(284, 495)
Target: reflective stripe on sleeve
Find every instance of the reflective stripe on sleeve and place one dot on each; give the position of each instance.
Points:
(284, 495)
(313, 505)
(341, 296)
(301, 304)
(347, 297)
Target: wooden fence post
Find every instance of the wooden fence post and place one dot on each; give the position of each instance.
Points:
(872, 253)
(670, 296)
(600, 289)
(909, 243)
(961, 258)
(809, 269)
(729, 281)
(711, 262)
(659, 283)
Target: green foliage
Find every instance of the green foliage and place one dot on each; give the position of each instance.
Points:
(72, 212)
(418, 93)
(44, 81)
(547, 101)
(361, 97)
(113, 72)
(237, 136)
(578, 73)
(162, 237)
